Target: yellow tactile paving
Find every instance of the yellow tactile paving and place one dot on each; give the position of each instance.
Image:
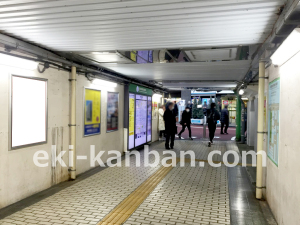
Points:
(125, 209)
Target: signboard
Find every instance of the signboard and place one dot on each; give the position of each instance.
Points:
(154, 110)
(149, 118)
(273, 123)
(141, 120)
(140, 90)
(28, 111)
(92, 108)
(112, 122)
(140, 116)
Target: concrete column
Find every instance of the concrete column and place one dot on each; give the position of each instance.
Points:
(186, 95)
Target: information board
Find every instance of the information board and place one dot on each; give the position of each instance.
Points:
(149, 118)
(92, 108)
(141, 120)
(140, 116)
(273, 121)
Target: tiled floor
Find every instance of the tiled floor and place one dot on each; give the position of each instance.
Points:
(186, 195)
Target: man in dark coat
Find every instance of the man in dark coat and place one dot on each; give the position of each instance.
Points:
(212, 118)
(170, 125)
(186, 122)
(224, 119)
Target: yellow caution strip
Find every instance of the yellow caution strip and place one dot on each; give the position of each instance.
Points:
(125, 209)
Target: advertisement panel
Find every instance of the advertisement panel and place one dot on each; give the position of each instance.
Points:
(131, 121)
(273, 122)
(112, 122)
(92, 111)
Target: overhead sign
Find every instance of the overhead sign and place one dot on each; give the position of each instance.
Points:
(140, 90)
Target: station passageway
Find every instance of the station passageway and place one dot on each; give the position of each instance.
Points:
(149, 195)
(88, 87)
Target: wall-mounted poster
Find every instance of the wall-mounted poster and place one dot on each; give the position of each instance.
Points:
(92, 111)
(273, 120)
(112, 122)
(131, 120)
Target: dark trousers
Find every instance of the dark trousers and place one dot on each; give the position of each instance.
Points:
(161, 133)
(170, 137)
(183, 129)
(222, 127)
(212, 129)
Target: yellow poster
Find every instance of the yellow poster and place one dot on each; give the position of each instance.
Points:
(131, 116)
(92, 112)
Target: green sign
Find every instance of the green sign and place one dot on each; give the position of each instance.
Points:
(140, 90)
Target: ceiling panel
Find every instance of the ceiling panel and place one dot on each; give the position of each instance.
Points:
(225, 70)
(101, 25)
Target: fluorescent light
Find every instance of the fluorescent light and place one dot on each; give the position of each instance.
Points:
(246, 99)
(12, 61)
(157, 96)
(289, 48)
(104, 83)
(241, 92)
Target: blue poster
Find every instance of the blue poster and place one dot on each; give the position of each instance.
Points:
(273, 121)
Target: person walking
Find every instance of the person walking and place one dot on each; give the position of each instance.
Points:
(212, 117)
(186, 122)
(175, 111)
(224, 119)
(161, 122)
(170, 125)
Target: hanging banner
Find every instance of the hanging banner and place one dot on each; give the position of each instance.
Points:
(92, 111)
(112, 123)
(273, 122)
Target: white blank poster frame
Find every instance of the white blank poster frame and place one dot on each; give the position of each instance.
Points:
(28, 111)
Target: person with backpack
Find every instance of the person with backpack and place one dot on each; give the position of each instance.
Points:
(212, 118)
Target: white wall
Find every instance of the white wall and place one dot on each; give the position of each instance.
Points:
(283, 182)
(105, 141)
(20, 178)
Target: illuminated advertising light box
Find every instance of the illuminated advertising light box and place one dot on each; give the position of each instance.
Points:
(112, 121)
(92, 111)
(140, 116)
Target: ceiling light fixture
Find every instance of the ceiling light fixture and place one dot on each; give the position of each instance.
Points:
(289, 48)
(104, 83)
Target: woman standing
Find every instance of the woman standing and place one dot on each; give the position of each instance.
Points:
(170, 125)
(161, 122)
